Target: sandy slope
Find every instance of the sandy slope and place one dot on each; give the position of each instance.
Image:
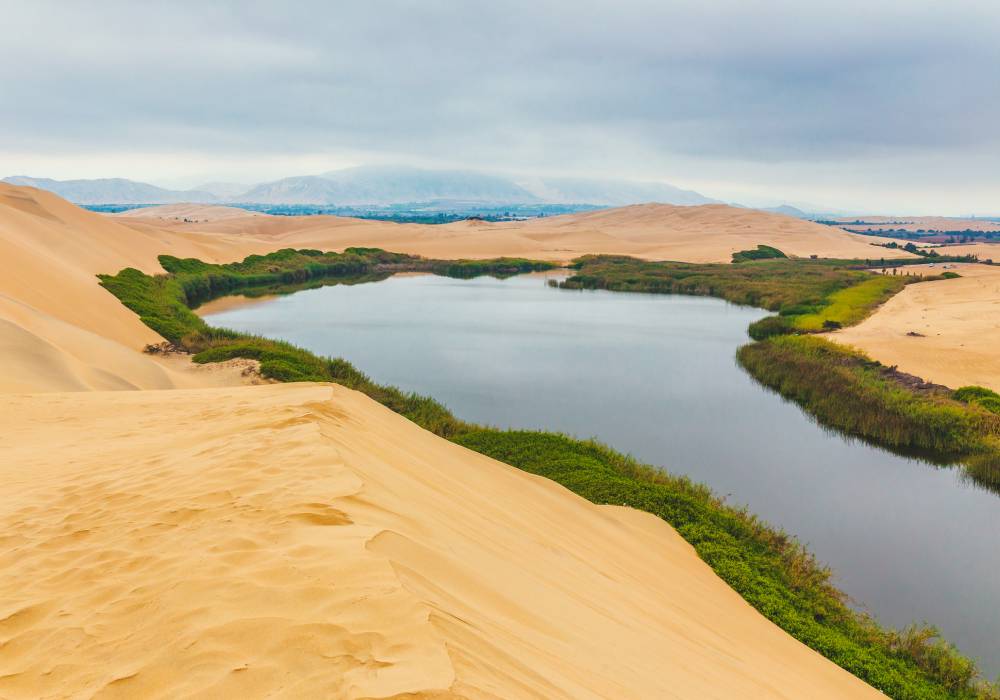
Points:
(960, 323)
(710, 233)
(303, 541)
(61, 331)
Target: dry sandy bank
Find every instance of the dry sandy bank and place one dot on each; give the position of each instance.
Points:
(959, 323)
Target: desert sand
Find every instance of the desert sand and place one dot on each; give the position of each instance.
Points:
(959, 323)
(302, 540)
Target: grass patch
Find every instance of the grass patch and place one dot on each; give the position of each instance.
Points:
(851, 305)
(767, 567)
(809, 295)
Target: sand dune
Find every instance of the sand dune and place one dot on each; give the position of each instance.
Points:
(959, 323)
(303, 541)
(62, 331)
(710, 233)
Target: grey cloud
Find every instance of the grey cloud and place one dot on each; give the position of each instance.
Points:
(545, 84)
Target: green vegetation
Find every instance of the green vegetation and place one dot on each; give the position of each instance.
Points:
(980, 396)
(767, 567)
(763, 252)
(850, 305)
(809, 295)
(846, 389)
(776, 285)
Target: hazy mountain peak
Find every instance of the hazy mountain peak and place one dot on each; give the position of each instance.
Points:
(113, 190)
(224, 190)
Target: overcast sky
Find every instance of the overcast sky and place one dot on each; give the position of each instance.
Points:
(882, 105)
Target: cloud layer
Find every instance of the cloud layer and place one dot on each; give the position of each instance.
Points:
(901, 97)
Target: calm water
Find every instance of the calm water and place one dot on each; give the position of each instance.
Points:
(656, 376)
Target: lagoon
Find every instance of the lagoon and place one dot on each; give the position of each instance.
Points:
(656, 376)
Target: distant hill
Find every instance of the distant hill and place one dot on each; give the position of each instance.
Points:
(611, 193)
(224, 191)
(112, 191)
(381, 186)
(389, 185)
(789, 210)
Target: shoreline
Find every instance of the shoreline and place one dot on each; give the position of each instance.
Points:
(284, 362)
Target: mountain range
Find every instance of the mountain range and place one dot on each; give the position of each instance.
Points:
(378, 186)
(111, 191)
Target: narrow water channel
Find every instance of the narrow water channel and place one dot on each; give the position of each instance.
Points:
(655, 376)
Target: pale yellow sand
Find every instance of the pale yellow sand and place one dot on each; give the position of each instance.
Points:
(959, 320)
(303, 541)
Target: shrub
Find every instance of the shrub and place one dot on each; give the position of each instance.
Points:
(974, 393)
(762, 252)
(978, 396)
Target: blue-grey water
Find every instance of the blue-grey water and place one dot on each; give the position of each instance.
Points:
(655, 376)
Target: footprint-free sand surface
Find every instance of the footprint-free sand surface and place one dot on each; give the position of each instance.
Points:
(303, 541)
(165, 537)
